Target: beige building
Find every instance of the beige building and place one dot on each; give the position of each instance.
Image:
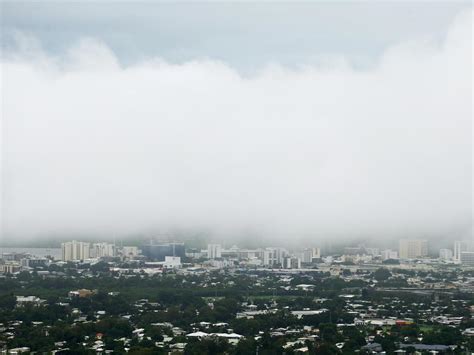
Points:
(75, 250)
(413, 248)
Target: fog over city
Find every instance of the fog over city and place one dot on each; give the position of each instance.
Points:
(95, 146)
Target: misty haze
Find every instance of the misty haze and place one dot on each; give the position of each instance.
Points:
(252, 169)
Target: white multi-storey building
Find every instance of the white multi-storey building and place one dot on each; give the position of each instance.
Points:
(129, 252)
(75, 250)
(308, 255)
(214, 251)
(389, 254)
(101, 250)
(291, 262)
(460, 246)
(172, 262)
(467, 258)
(372, 251)
(413, 248)
(446, 254)
(274, 256)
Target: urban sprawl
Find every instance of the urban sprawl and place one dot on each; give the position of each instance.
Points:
(168, 298)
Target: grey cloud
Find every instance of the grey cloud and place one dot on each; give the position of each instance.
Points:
(91, 146)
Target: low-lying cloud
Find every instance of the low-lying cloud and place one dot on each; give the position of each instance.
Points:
(92, 147)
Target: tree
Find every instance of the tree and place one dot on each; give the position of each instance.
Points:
(382, 274)
(245, 346)
(7, 301)
(207, 346)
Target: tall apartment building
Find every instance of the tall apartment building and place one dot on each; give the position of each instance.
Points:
(75, 250)
(214, 251)
(316, 253)
(291, 262)
(101, 250)
(389, 254)
(413, 248)
(467, 258)
(446, 254)
(274, 256)
(461, 246)
(309, 254)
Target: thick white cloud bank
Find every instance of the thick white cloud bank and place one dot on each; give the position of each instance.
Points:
(93, 147)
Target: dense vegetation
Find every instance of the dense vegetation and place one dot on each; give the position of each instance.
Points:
(166, 307)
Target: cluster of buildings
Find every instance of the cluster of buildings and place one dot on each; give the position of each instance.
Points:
(11, 263)
(175, 252)
(76, 250)
(464, 252)
(434, 306)
(266, 257)
(409, 249)
(276, 272)
(277, 257)
(166, 255)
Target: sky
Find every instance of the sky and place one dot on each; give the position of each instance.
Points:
(308, 120)
(246, 35)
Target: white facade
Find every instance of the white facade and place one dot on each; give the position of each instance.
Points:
(308, 255)
(10, 267)
(75, 250)
(129, 252)
(291, 263)
(389, 254)
(445, 254)
(101, 250)
(172, 262)
(274, 256)
(372, 251)
(459, 247)
(413, 248)
(214, 251)
(316, 253)
(220, 263)
(266, 257)
(467, 258)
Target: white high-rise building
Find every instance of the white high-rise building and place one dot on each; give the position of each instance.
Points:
(214, 251)
(75, 250)
(306, 255)
(389, 254)
(274, 256)
(267, 257)
(467, 258)
(446, 254)
(460, 246)
(309, 254)
(101, 250)
(291, 262)
(66, 251)
(316, 253)
(413, 248)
